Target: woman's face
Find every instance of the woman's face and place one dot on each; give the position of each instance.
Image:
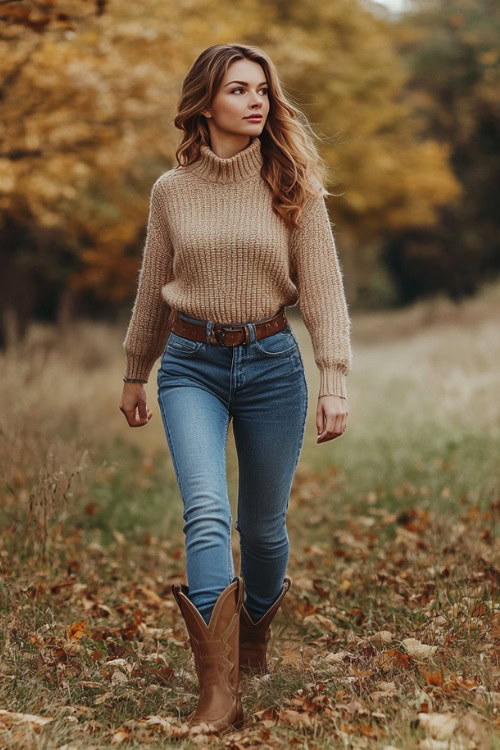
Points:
(243, 91)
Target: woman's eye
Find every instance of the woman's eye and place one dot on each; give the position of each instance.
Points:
(242, 89)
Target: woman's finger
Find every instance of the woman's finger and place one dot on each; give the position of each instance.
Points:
(328, 427)
(339, 424)
(320, 420)
(143, 414)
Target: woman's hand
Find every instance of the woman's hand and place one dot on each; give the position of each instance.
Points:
(133, 405)
(331, 417)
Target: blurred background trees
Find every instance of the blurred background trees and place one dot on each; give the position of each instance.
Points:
(452, 50)
(407, 109)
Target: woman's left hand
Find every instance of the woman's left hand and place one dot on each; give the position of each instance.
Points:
(331, 417)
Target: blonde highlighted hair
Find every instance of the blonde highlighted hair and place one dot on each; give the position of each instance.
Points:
(292, 166)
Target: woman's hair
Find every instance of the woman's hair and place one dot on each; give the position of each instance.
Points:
(292, 166)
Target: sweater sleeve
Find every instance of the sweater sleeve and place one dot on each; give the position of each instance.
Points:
(150, 323)
(322, 303)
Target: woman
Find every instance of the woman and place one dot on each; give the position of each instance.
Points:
(236, 232)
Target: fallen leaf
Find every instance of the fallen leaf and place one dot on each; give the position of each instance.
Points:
(433, 678)
(382, 636)
(119, 736)
(295, 718)
(10, 718)
(416, 648)
(439, 726)
(76, 629)
(338, 657)
(393, 658)
(320, 621)
(150, 595)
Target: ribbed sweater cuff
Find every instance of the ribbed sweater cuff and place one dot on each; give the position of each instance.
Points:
(138, 367)
(332, 382)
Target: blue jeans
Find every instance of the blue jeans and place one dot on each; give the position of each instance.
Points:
(262, 387)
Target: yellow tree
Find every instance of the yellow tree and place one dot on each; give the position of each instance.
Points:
(86, 118)
(87, 124)
(342, 62)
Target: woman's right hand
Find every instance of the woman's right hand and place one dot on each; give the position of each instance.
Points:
(133, 405)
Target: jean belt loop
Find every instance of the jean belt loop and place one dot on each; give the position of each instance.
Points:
(210, 325)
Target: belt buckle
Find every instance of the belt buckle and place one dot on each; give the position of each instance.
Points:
(219, 333)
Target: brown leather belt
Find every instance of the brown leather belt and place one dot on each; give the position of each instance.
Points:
(229, 335)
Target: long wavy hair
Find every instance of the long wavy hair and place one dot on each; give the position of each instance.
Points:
(292, 166)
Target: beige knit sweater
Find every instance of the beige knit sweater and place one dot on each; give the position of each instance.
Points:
(216, 250)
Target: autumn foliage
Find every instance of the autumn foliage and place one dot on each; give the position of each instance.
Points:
(90, 92)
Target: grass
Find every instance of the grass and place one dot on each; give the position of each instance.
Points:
(389, 636)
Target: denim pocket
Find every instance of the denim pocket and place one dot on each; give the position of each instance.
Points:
(177, 344)
(282, 342)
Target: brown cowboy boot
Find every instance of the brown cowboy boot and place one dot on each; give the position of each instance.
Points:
(215, 648)
(254, 636)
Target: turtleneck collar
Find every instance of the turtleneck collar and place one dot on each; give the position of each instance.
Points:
(246, 163)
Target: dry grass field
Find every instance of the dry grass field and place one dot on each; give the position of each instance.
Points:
(390, 635)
